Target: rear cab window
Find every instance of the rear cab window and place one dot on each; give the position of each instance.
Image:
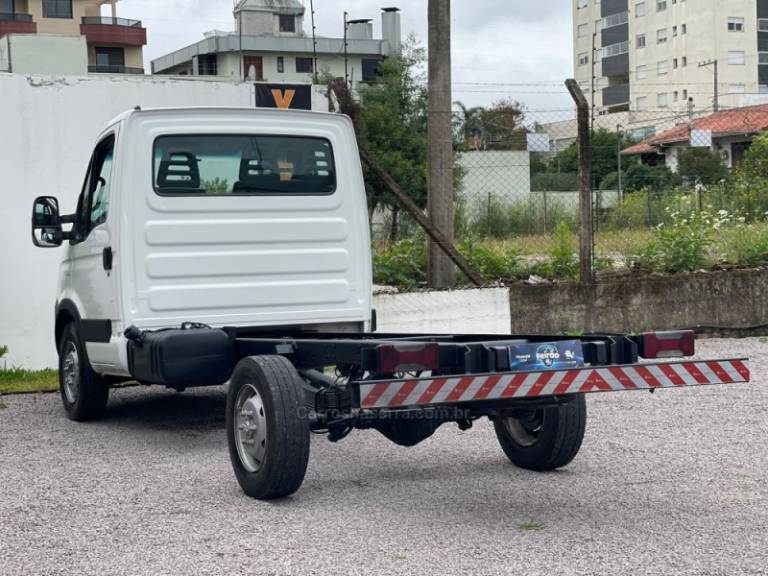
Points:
(217, 165)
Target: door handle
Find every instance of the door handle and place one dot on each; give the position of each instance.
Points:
(106, 258)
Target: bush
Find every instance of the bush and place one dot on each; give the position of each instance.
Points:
(495, 262)
(563, 262)
(744, 244)
(680, 246)
(403, 263)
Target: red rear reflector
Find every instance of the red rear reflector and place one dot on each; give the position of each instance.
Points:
(668, 344)
(408, 357)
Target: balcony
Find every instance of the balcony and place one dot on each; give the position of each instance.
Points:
(104, 69)
(105, 30)
(616, 95)
(15, 23)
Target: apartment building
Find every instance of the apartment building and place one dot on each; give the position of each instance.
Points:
(677, 55)
(69, 37)
(269, 44)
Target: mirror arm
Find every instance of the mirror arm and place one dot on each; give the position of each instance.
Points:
(68, 219)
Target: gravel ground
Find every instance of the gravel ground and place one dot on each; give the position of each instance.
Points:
(669, 483)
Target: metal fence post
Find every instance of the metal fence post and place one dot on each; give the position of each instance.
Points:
(586, 235)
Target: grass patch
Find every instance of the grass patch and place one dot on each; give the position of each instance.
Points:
(531, 526)
(3, 405)
(19, 381)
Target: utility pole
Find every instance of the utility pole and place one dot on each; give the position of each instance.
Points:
(714, 63)
(346, 48)
(619, 134)
(593, 85)
(440, 141)
(314, 39)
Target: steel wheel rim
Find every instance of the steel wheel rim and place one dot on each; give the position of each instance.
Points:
(70, 373)
(250, 428)
(525, 431)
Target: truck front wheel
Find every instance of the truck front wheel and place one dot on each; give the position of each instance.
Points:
(83, 392)
(543, 439)
(267, 427)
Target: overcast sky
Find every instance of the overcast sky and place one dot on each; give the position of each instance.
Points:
(510, 42)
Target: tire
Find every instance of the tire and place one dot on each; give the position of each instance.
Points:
(267, 427)
(83, 392)
(544, 439)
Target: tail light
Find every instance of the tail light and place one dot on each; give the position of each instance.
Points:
(667, 344)
(408, 357)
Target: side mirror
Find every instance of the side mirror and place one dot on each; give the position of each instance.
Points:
(46, 223)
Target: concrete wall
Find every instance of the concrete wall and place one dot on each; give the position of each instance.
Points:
(49, 126)
(736, 298)
(64, 55)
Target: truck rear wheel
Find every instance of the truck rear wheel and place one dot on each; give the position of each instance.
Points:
(83, 392)
(543, 439)
(267, 428)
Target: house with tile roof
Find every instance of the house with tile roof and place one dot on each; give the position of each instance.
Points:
(728, 132)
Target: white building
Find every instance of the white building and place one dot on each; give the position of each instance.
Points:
(269, 44)
(637, 55)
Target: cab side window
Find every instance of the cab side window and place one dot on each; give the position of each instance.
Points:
(93, 207)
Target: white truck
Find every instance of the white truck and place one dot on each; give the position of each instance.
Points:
(214, 246)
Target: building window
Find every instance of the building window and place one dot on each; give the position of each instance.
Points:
(582, 4)
(582, 31)
(762, 24)
(287, 23)
(639, 9)
(640, 41)
(684, 29)
(207, 65)
(736, 58)
(662, 68)
(57, 8)
(674, 63)
(641, 72)
(371, 70)
(735, 24)
(280, 64)
(763, 58)
(661, 36)
(583, 59)
(663, 100)
(685, 61)
(676, 96)
(585, 86)
(642, 103)
(110, 58)
(303, 65)
(661, 5)
(7, 7)
(685, 94)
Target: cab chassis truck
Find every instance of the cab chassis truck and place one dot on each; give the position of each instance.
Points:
(212, 246)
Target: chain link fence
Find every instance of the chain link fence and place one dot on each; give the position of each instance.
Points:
(699, 174)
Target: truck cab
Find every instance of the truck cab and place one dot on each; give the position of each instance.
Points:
(218, 217)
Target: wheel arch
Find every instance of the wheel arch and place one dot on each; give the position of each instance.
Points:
(66, 314)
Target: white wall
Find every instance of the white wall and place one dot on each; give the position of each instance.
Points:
(48, 128)
(41, 54)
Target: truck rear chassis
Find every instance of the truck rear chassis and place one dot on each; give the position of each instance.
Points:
(285, 385)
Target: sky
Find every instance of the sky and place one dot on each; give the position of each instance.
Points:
(518, 49)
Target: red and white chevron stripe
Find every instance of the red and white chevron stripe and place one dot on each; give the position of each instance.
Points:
(459, 389)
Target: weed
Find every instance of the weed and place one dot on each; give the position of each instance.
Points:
(531, 526)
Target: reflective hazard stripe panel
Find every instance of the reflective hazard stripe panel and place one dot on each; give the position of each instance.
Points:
(460, 389)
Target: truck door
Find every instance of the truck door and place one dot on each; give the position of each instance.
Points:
(91, 255)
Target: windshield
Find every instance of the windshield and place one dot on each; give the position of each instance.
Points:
(220, 165)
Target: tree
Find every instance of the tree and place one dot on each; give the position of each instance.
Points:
(502, 126)
(393, 114)
(605, 160)
(754, 165)
(701, 166)
(471, 131)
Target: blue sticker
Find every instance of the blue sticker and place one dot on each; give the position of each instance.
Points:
(547, 355)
